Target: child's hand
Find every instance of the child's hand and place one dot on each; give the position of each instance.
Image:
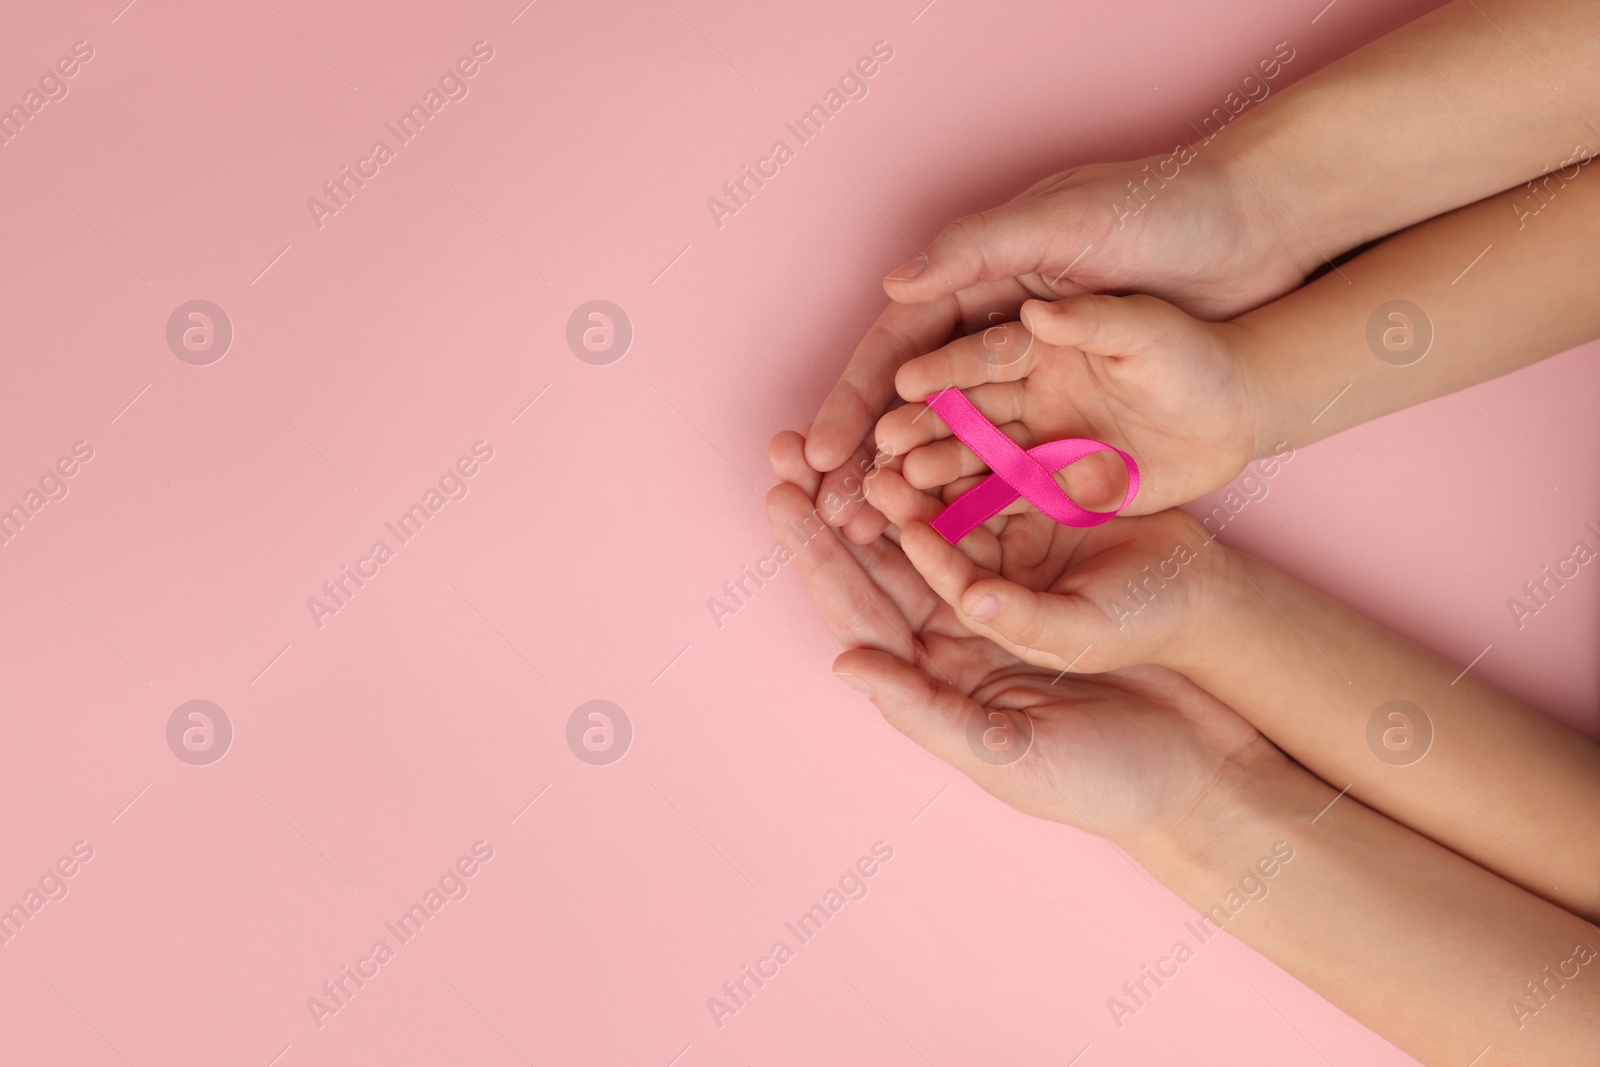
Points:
(1144, 589)
(1120, 755)
(1132, 371)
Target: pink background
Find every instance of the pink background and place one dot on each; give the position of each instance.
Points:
(369, 354)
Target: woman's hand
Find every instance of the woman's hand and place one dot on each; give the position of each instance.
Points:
(1311, 877)
(1122, 754)
(1201, 239)
(1192, 233)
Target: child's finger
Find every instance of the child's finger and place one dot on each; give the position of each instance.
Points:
(899, 501)
(945, 568)
(946, 461)
(915, 425)
(1045, 629)
(1050, 629)
(860, 522)
(1004, 352)
(1101, 325)
(907, 506)
(1098, 481)
(865, 526)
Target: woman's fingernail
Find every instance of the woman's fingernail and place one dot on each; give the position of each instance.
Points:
(853, 682)
(985, 608)
(908, 270)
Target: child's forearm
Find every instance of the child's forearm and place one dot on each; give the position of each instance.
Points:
(1455, 301)
(1426, 948)
(1407, 732)
(1470, 99)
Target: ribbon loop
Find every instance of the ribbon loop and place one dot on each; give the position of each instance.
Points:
(1016, 472)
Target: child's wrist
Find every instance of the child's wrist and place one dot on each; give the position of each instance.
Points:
(1272, 418)
(1198, 635)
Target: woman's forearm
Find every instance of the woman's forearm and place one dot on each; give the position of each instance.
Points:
(1434, 953)
(1468, 100)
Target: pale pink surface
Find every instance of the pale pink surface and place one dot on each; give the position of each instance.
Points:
(427, 714)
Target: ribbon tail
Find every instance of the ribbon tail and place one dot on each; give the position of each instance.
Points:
(973, 508)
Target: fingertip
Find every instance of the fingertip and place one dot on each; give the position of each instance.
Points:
(836, 504)
(786, 453)
(855, 682)
(900, 382)
(985, 601)
(859, 662)
(921, 543)
(982, 606)
(916, 281)
(906, 384)
(929, 712)
(782, 445)
(1040, 314)
(823, 451)
(865, 526)
(909, 271)
(921, 469)
(1035, 310)
(891, 683)
(1049, 321)
(883, 453)
(781, 501)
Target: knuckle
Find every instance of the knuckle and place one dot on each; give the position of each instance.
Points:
(967, 229)
(881, 337)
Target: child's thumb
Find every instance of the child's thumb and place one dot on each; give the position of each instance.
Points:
(1047, 629)
(1102, 325)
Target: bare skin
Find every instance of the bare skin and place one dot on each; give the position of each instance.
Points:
(1198, 703)
(1471, 99)
(1193, 401)
(1423, 946)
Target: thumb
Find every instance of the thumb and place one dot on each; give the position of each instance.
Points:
(1046, 629)
(925, 709)
(1004, 242)
(1104, 325)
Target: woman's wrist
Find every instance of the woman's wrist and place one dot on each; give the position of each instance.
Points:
(1244, 824)
(1287, 218)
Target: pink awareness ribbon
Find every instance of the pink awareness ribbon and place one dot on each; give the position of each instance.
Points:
(1016, 472)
